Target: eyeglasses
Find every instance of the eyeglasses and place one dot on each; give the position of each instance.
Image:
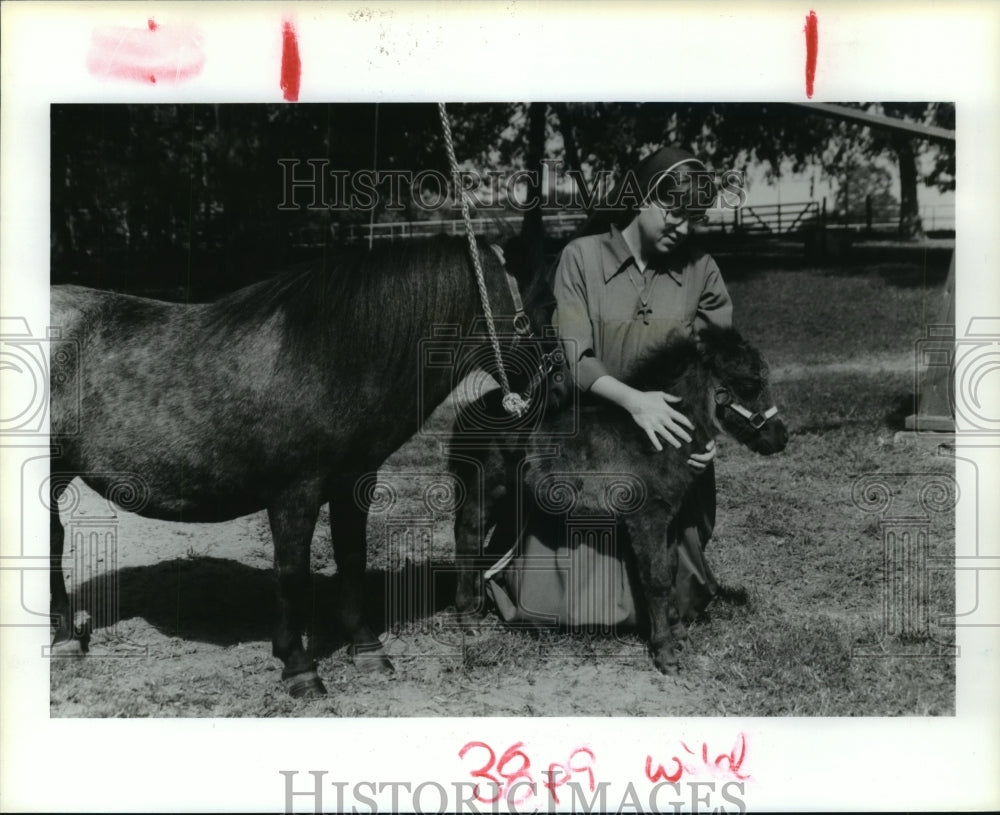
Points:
(686, 196)
(694, 218)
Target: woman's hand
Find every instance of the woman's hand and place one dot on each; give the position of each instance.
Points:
(699, 461)
(651, 410)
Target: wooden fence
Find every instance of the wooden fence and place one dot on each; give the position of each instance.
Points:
(559, 225)
(787, 219)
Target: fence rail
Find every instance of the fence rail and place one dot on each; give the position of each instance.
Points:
(936, 217)
(761, 219)
(772, 219)
(563, 224)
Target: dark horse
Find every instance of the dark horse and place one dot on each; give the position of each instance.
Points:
(278, 396)
(722, 382)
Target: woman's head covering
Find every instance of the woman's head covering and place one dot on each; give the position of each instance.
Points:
(666, 164)
(672, 176)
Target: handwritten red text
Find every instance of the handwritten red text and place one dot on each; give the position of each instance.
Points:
(510, 776)
(699, 762)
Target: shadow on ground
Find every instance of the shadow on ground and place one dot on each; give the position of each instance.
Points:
(225, 602)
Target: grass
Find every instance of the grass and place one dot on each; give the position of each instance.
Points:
(849, 312)
(807, 639)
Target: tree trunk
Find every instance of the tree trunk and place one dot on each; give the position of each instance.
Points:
(910, 225)
(569, 143)
(532, 227)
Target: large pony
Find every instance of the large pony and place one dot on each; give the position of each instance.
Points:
(595, 461)
(278, 396)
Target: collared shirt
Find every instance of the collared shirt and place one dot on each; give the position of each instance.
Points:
(597, 291)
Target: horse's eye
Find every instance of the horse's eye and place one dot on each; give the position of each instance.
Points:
(723, 396)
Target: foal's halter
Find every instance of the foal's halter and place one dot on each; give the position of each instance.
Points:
(724, 398)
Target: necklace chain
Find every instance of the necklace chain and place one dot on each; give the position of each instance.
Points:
(646, 289)
(644, 310)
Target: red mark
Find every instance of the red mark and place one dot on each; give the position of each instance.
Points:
(724, 764)
(735, 757)
(152, 54)
(291, 65)
(660, 773)
(510, 777)
(559, 774)
(812, 48)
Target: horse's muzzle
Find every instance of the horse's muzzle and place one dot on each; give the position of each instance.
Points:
(771, 438)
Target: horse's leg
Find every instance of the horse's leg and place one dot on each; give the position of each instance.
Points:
(472, 520)
(348, 522)
(656, 565)
(64, 643)
(488, 512)
(293, 520)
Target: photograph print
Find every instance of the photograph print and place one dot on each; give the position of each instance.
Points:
(502, 409)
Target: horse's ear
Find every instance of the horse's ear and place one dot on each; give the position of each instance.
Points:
(716, 344)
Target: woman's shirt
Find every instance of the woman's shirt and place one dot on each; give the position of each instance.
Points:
(596, 288)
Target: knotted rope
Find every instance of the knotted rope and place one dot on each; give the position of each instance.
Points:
(513, 403)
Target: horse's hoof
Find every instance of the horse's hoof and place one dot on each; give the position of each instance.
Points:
(470, 619)
(666, 660)
(667, 667)
(472, 629)
(462, 622)
(306, 685)
(68, 648)
(82, 628)
(371, 658)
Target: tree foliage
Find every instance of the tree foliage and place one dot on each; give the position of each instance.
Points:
(170, 193)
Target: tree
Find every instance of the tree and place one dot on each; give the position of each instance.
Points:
(533, 227)
(863, 184)
(875, 141)
(160, 190)
(732, 135)
(906, 149)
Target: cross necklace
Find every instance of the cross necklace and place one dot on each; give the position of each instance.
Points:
(644, 292)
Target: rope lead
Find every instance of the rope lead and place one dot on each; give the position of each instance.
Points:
(513, 403)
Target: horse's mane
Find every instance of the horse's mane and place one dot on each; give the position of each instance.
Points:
(352, 274)
(734, 360)
(664, 363)
(723, 350)
(363, 299)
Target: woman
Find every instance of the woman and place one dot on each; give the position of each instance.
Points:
(618, 292)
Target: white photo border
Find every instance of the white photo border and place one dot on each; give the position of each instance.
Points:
(463, 51)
